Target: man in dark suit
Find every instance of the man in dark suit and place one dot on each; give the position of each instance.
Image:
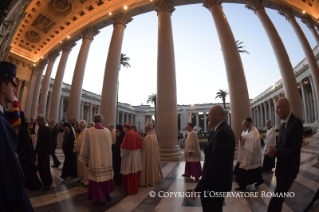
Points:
(287, 151)
(218, 166)
(44, 150)
(54, 137)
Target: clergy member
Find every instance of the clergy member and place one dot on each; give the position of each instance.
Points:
(241, 140)
(193, 155)
(81, 167)
(269, 140)
(113, 133)
(151, 164)
(96, 153)
(249, 171)
(131, 163)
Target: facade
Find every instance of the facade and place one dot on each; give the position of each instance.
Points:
(41, 30)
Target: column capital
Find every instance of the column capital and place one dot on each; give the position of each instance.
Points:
(254, 5)
(122, 17)
(317, 27)
(27, 84)
(67, 45)
(53, 55)
(89, 32)
(209, 3)
(40, 66)
(161, 5)
(20, 82)
(286, 11)
(307, 19)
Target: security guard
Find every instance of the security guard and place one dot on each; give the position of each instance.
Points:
(13, 196)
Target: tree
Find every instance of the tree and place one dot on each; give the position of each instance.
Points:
(241, 48)
(222, 94)
(4, 7)
(152, 99)
(124, 61)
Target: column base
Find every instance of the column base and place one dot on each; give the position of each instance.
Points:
(170, 154)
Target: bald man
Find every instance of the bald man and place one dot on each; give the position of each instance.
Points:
(287, 151)
(218, 166)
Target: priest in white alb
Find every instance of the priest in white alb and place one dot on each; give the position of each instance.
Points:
(96, 153)
(193, 156)
(81, 167)
(249, 171)
(151, 164)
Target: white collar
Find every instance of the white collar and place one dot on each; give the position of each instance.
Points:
(287, 119)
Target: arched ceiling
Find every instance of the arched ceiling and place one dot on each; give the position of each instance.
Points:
(48, 22)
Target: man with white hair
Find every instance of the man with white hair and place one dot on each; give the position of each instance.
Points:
(113, 133)
(96, 153)
(44, 150)
(81, 167)
(151, 164)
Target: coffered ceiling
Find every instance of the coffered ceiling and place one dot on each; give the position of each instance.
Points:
(48, 22)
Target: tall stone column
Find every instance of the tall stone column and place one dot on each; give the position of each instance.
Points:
(312, 62)
(81, 110)
(270, 114)
(190, 118)
(127, 120)
(30, 94)
(266, 113)
(308, 106)
(46, 82)
(181, 121)
(35, 99)
(257, 117)
(238, 91)
(310, 24)
(61, 108)
(90, 116)
(285, 67)
(78, 75)
(197, 121)
(277, 124)
(118, 117)
(305, 110)
(24, 96)
(314, 98)
(166, 99)
(67, 46)
(49, 99)
(112, 68)
(19, 88)
(122, 118)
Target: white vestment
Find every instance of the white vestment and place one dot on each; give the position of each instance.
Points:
(96, 150)
(151, 164)
(81, 167)
(270, 139)
(240, 147)
(251, 158)
(192, 145)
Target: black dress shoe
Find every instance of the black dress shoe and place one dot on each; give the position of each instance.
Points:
(108, 198)
(185, 175)
(46, 188)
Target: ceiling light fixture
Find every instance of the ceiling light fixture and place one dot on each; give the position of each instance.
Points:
(125, 7)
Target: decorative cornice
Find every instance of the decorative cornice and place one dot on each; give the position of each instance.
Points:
(254, 5)
(307, 19)
(40, 66)
(122, 17)
(209, 3)
(67, 45)
(286, 11)
(89, 32)
(53, 55)
(164, 5)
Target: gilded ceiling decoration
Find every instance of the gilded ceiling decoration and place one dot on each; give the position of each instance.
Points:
(33, 36)
(43, 23)
(60, 7)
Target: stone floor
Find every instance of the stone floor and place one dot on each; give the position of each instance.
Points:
(68, 195)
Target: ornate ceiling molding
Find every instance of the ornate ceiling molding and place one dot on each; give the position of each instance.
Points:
(43, 23)
(164, 5)
(60, 7)
(33, 36)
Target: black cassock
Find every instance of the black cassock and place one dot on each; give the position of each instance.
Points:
(116, 149)
(27, 157)
(13, 196)
(43, 149)
(69, 167)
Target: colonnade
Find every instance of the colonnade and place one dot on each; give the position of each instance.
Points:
(166, 76)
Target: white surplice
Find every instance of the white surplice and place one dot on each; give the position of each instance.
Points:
(192, 145)
(240, 147)
(251, 147)
(270, 139)
(96, 150)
